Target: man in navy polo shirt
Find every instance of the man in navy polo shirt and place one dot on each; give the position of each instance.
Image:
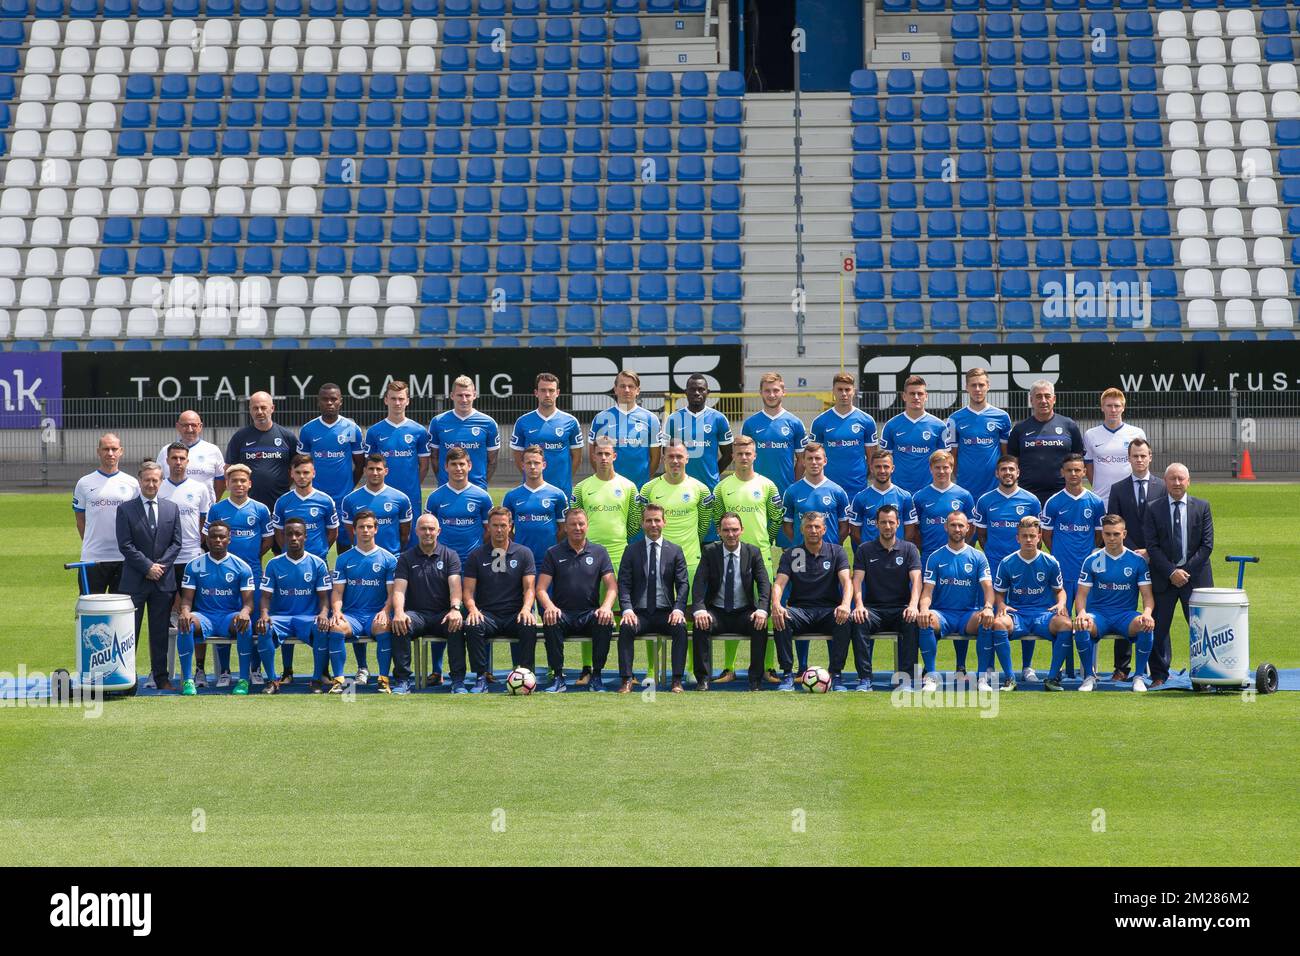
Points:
(821, 598)
(569, 586)
(500, 588)
(426, 598)
(1042, 441)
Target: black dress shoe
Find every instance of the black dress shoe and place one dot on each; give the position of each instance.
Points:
(164, 683)
(1119, 676)
(702, 685)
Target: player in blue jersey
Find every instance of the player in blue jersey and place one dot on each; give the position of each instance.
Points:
(977, 435)
(404, 443)
(537, 507)
(557, 433)
(881, 490)
(317, 512)
(913, 435)
(1119, 577)
(216, 601)
(461, 508)
(933, 503)
(249, 521)
(295, 604)
(997, 516)
(1031, 600)
(704, 431)
(336, 447)
(393, 510)
(956, 597)
(1072, 523)
(463, 426)
(361, 605)
(779, 437)
(633, 429)
(849, 436)
(815, 492)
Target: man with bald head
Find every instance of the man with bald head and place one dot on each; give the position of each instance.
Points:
(206, 464)
(1179, 532)
(266, 448)
(426, 601)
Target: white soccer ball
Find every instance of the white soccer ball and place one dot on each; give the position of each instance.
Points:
(816, 680)
(521, 681)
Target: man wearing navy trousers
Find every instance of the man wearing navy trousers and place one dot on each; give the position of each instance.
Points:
(149, 537)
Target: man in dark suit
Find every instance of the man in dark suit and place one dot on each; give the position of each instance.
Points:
(730, 595)
(1179, 534)
(1129, 499)
(653, 591)
(149, 537)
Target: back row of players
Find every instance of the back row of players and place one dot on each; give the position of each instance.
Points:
(846, 469)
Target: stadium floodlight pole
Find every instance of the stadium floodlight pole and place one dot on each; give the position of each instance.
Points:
(801, 296)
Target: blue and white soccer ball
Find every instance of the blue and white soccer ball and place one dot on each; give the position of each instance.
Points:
(521, 682)
(816, 680)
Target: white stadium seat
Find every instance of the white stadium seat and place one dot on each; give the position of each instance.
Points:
(1184, 134)
(1224, 192)
(1210, 50)
(1270, 282)
(1175, 50)
(423, 32)
(401, 290)
(1251, 105)
(1219, 133)
(389, 31)
(287, 32)
(1185, 162)
(148, 33)
(147, 291)
(255, 291)
(105, 323)
(195, 201)
(324, 320)
(30, 324)
(1171, 23)
(1220, 162)
(251, 321)
(79, 261)
(1189, 192)
(1181, 106)
(352, 59)
(363, 290)
(290, 322)
(318, 59)
(1259, 162)
(1198, 283)
(252, 32)
(320, 32)
(1245, 50)
(1261, 191)
(1240, 23)
(68, 324)
(387, 59)
(142, 324)
(421, 59)
(1255, 133)
(37, 293)
(362, 320)
(1267, 251)
(1216, 106)
(283, 59)
(291, 290)
(1193, 252)
(1227, 222)
(354, 31)
(1206, 23)
(1246, 76)
(399, 320)
(1266, 221)
(1285, 104)
(1277, 314)
(1202, 314)
(1239, 314)
(110, 292)
(1233, 283)
(327, 290)
(1282, 76)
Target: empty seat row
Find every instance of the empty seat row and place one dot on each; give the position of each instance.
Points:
(1228, 192)
(1034, 26)
(1236, 283)
(1243, 49)
(1209, 23)
(181, 31)
(1026, 6)
(982, 314)
(1005, 107)
(1213, 77)
(1061, 53)
(1239, 314)
(156, 201)
(1284, 104)
(232, 171)
(1011, 193)
(520, 169)
(1014, 136)
(347, 8)
(1075, 164)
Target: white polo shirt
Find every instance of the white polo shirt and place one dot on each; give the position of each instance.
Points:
(97, 496)
(1108, 452)
(193, 499)
(206, 462)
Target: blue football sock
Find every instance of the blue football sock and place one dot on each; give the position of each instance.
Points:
(1061, 646)
(801, 652)
(266, 651)
(1145, 641)
(338, 655)
(223, 658)
(362, 655)
(286, 653)
(1026, 654)
(185, 651)
(384, 652)
(320, 653)
(1069, 659)
(1087, 652)
(1002, 648)
(929, 646)
(439, 648)
(984, 649)
(489, 658)
(962, 648)
(244, 640)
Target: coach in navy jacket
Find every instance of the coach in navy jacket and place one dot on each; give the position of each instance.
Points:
(149, 537)
(1179, 532)
(1129, 499)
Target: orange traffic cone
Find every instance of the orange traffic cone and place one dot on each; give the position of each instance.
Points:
(1247, 473)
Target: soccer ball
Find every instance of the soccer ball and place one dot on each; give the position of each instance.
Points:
(521, 681)
(816, 680)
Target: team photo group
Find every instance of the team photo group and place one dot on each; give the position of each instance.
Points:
(772, 533)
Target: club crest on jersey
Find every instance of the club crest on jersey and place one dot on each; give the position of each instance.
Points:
(230, 576)
(1020, 509)
(341, 438)
(856, 428)
(314, 512)
(590, 559)
(476, 431)
(388, 506)
(471, 506)
(1087, 512)
(956, 506)
(925, 435)
(686, 496)
(1040, 577)
(618, 493)
(707, 429)
(307, 576)
(898, 559)
(438, 565)
(992, 426)
(826, 565)
(968, 568)
(1059, 429)
(278, 443)
(408, 438)
(785, 430)
(514, 563)
(1128, 572)
(375, 567)
(546, 502)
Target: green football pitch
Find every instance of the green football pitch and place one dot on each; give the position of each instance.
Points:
(1100, 779)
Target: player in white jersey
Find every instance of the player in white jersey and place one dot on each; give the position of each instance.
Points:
(1105, 446)
(193, 498)
(94, 503)
(206, 463)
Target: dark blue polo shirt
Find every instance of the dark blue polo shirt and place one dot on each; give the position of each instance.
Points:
(887, 581)
(499, 577)
(426, 576)
(814, 578)
(267, 455)
(1041, 447)
(576, 575)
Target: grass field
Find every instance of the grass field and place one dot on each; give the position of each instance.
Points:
(1102, 779)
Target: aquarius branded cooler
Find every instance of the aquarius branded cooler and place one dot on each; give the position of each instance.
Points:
(106, 642)
(1220, 637)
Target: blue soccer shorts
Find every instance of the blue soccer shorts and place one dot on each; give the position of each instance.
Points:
(212, 625)
(285, 626)
(362, 625)
(953, 623)
(1114, 622)
(1035, 624)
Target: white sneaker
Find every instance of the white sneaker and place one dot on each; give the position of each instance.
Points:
(1029, 676)
(363, 677)
(257, 680)
(983, 686)
(224, 680)
(150, 683)
(928, 683)
(200, 678)
(1139, 685)
(1089, 683)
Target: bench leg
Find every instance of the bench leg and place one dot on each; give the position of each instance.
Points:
(417, 659)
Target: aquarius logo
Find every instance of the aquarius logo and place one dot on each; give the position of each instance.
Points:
(1205, 643)
(104, 645)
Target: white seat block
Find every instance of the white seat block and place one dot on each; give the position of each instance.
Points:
(1198, 283)
(1282, 76)
(401, 290)
(1216, 106)
(1221, 162)
(291, 290)
(1188, 192)
(354, 31)
(110, 292)
(149, 33)
(362, 320)
(1175, 51)
(1224, 192)
(423, 32)
(1218, 133)
(1181, 106)
(30, 324)
(1277, 314)
(1206, 23)
(1233, 283)
(1184, 134)
(1210, 50)
(148, 292)
(1251, 105)
(1267, 251)
(1257, 162)
(1240, 23)
(1285, 104)
(327, 290)
(1270, 282)
(399, 320)
(105, 323)
(324, 320)
(1193, 252)
(1227, 222)
(363, 290)
(421, 59)
(1261, 191)
(1265, 221)
(1202, 314)
(290, 322)
(1247, 76)
(142, 323)
(68, 324)
(1255, 134)
(1245, 50)
(1239, 314)
(251, 321)
(79, 261)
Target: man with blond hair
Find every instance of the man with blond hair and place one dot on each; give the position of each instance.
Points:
(1105, 446)
(976, 435)
(633, 429)
(464, 426)
(849, 436)
(779, 437)
(404, 443)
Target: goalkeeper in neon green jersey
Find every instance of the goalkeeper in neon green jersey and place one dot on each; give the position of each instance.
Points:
(609, 500)
(757, 501)
(688, 511)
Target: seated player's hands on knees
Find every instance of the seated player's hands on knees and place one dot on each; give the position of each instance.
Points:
(242, 622)
(842, 613)
(604, 615)
(676, 617)
(630, 618)
(184, 621)
(860, 614)
(527, 618)
(475, 617)
(1145, 622)
(986, 617)
(703, 621)
(381, 621)
(453, 620)
(323, 621)
(927, 619)
(401, 623)
(759, 618)
(1002, 622)
(263, 622)
(551, 615)
(1082, 622)
(778, 616)
(911, 614)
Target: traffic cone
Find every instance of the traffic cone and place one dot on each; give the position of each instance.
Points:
(1247, 473)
